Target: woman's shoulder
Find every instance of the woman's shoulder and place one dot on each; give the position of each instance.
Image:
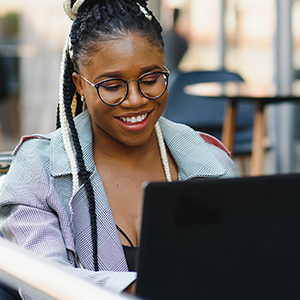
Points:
(178, 129)
(31, 143)
(33, 153)
(214, 141)
(34, 146)
(198, 151)
(30, 170)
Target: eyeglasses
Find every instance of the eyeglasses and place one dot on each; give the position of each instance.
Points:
(113, 91)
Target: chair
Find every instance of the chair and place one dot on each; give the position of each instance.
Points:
(8, 293)
(206, 114)
(5, 162)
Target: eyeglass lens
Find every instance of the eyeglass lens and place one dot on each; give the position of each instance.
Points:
(151, 86)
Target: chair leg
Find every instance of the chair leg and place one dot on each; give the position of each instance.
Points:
(243, 166)
(258, 149)
(229, 125)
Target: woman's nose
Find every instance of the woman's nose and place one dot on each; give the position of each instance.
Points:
(134, 97)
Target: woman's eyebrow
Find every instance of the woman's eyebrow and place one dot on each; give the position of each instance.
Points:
(108, 75)
(119, 74)
(149, 69)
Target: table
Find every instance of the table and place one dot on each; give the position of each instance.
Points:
(235, 92)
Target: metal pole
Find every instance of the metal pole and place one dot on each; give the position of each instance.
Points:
(221, 42)
(284, 80)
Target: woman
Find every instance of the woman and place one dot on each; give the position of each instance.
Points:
(75, 195)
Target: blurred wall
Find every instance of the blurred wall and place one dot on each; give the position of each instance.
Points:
(44, 28)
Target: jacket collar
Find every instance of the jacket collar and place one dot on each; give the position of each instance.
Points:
(190, 152)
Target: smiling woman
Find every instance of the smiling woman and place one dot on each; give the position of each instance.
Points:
(77, 192)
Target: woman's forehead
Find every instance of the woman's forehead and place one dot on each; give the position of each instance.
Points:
(123, 53)
(128, 44)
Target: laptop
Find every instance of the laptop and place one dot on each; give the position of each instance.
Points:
(233, 238)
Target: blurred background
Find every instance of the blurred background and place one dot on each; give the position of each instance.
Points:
(259, 39)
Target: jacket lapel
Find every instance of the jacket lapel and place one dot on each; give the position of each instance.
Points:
(110, 251)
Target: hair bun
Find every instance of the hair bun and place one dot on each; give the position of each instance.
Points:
(72, 10)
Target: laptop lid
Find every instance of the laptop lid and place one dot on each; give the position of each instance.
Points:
(221, 239)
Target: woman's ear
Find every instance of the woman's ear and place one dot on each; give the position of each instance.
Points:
(78, 82)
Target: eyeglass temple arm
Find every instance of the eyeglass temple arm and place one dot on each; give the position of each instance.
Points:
(92, 84)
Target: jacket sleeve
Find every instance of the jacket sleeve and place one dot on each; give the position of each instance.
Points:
(33, 217)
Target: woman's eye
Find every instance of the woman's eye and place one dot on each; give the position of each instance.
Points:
(151, 79)
(149, 82)
(112, 86)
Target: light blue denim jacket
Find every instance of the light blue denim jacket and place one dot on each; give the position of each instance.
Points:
(40, 213)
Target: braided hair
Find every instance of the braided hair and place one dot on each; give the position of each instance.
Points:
(95, 21)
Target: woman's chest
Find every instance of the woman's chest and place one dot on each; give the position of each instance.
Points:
(125, 198)
(124, 191)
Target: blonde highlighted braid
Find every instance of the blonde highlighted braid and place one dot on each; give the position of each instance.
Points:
(72, 10)
(64, 122)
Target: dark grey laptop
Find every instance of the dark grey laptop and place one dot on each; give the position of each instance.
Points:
(221, 239)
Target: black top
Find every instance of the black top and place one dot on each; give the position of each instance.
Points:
(130, 252)
(130, 255)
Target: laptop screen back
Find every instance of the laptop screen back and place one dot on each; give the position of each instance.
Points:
(221, 239)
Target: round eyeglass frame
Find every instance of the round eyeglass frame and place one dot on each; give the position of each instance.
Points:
(96, 85)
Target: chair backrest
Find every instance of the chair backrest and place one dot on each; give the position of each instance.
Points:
(5, 162)
(201, 113)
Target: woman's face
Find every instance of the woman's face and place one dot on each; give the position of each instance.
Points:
(128, 57)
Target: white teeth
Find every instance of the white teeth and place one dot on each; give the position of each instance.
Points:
(134, 120)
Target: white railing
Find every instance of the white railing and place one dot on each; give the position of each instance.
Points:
(21, 268)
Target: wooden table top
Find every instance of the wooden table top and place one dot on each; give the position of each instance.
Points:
(241, 91)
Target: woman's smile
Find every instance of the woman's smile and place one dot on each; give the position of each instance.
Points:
(134, 122)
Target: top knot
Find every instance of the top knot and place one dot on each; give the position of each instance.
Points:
(72, 10)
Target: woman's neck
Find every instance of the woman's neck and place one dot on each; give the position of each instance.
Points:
(145, 157)
(109, 149)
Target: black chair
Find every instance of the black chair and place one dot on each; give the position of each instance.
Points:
(5, 162)
(206, 114)
(7, 293)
